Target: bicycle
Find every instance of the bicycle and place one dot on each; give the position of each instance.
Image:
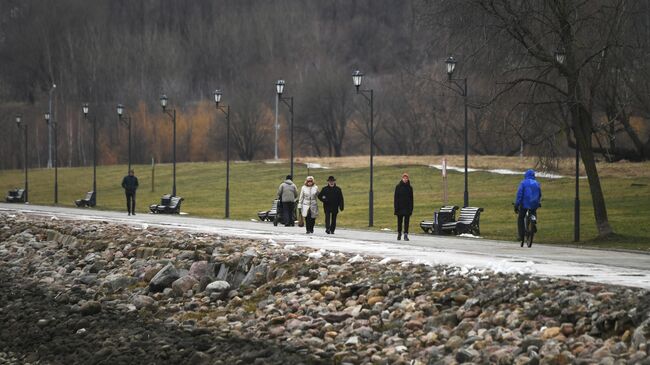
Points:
(530, 228)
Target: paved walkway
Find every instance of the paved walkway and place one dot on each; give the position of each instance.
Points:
(604, 266)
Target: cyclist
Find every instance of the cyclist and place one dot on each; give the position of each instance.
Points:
(529, 195)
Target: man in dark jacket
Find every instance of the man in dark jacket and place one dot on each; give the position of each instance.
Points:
(529, 195)
(403, 203)
(332, 198)
(130, 185)
(287, 195)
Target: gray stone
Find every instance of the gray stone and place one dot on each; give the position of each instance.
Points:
(91, 307)
(640, 334)
(143, 301)
(164, 278)
(88, 279)
(256, 275)
(115, 282)
(223, 272)
(466, 355)
(218, 286)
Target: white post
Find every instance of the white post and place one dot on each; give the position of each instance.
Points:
(277, 99)
(444, 181)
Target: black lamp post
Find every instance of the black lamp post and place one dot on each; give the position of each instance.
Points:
(84, 109)
(127, 122)
(288, 101)
(560, 57)
(226, 111)
(52, 124)
(357, 77)
(23, 126)
(172, 114)
(462, 90)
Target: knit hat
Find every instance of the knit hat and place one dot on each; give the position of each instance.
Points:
(289, 177)
(331, 178)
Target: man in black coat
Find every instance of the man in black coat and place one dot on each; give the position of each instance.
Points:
(130, 185)
(332, 198)
(403, 203)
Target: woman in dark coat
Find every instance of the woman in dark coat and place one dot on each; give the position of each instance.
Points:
(403, 203)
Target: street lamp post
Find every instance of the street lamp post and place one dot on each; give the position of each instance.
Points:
(288, 101)
(226, 111)
(560, 57)
(357, 77)
(172, 114)
(127, 122)
(49, 130)
(53, 125)
(462, 90)
(23, 126)
(84, 109)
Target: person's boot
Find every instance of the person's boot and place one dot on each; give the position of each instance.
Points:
(399, 236)
(406, 237)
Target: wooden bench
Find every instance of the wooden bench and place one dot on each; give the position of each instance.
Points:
(15, 196)
(88, 201)
(446, 214)
(168, 205)
(468, 222)
(269, 215)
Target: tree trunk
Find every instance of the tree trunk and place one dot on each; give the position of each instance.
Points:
(583, 132)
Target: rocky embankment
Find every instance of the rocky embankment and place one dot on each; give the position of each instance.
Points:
(96, 292)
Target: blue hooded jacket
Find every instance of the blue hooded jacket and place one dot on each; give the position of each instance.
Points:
(529, 193)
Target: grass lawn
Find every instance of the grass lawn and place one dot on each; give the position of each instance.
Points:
(254, 184)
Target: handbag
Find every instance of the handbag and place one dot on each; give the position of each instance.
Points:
(301, 220)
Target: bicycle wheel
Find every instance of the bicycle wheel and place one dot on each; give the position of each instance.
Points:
(530, 232)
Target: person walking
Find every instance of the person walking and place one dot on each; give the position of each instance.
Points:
(529, 196)
(130, 185)
(403, 203)
(287, 195)
(332, 198)
(308, 203)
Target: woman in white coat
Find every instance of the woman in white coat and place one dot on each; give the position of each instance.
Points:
(308, 202)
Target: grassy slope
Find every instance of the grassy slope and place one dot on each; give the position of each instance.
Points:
(253, 186)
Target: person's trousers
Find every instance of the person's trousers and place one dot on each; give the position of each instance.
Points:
(287, 213)
(330, 219)
(405, 219)
(521, 221)
(309, 222)
(130, 202)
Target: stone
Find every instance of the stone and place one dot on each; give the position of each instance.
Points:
(115, 282)
(164, 278)
(373, 300)
(218, 286)
(199, 269)
(335, 317)
(466, 355)
(566, 329)
(143, 301)
(181, 285)
(90, 308)
(276, 331)
(256, 275)
(352, 341)
(453, 343)
(551, 332)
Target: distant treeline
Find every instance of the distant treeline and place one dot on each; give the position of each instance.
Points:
(108, 52)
